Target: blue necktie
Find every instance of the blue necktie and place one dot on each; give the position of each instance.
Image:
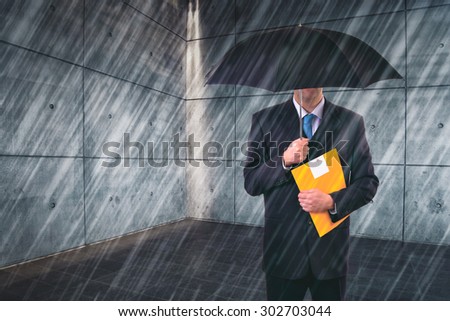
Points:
(307, 125)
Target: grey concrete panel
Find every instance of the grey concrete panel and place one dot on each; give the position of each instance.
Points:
(413, 4)
(211, 122)
(427, 211)
(428, 47)
(385, 33)
(202, 56)
(210, 191)
(114, 107)
(245, 108)
(384, 117)
(270, 14)
(210, 18)
(41, 207)
(170, 14)
(40, 103)
(428, 126)
(383, 218)
(121, 200)
(122, 42)
(249, 209)
(54, 28)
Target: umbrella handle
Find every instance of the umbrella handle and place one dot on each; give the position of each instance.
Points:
(300, 116)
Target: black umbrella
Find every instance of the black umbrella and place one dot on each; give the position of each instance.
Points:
(301, 57)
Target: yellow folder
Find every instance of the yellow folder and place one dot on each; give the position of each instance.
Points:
(325, 173)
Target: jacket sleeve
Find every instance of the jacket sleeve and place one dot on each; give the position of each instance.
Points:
(263, 170)
(363, 182)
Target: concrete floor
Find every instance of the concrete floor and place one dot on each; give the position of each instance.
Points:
(195, 260)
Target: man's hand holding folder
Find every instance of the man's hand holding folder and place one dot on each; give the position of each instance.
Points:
(325, 174)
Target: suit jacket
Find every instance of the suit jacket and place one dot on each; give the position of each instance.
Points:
(292, 245)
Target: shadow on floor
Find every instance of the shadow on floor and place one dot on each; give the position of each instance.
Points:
(194, 260)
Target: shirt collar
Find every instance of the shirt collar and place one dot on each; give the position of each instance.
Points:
(318, 111)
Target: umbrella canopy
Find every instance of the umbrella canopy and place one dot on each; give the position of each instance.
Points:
(301, 57)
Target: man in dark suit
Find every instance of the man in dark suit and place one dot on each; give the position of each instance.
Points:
(295, 257)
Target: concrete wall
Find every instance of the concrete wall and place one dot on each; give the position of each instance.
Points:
(407, 123)
(76, 74)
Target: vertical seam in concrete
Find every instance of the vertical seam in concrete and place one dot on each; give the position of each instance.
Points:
(235, 123)
(186, 215)
(406, 120)
(84, 158)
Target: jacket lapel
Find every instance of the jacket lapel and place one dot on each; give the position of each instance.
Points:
(330, 122)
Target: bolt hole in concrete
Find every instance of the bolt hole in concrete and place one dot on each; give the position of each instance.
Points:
(52, 205)
(441, 45)
(51, 106)
(109, 116)
(436, 206)
(440, 125)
